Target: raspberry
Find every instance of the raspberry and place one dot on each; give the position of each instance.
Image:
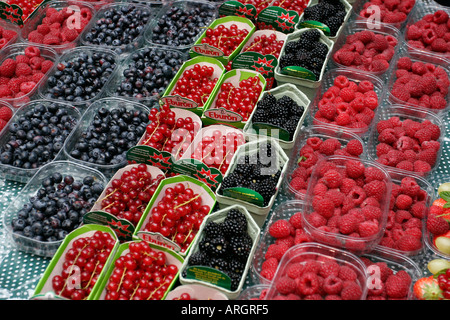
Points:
(375, 188)
(5, 91)
(347, 224)
(296, 220)
(46, 66)
(366, 36)
(27, 87)
(351, 291)
(51, 39)
(268, 274)
(371, 212)
(275, 251)
(347, 94)
(329, 268)
(5, 113)
(428, 155)
(344, 57)
(324, 207)
(368, 228)
(285, 285)
(316, 220)
(440, 16)
(403, 202)
(280, 229)
(327, 110)
(355, 148)
(329, 146)
(8, 68)
(68, 35)
(354, 168)
(437, 102)
(439, 45)
(422, 135)
(332, 285)
(22, 69)
(379, 65)
(404, 63)
(409, 243)
(308, 284)
(437, 225)
(397, 286)
(298, 183)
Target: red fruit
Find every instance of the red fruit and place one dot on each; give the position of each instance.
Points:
(285, 285)
(437, 225)
(5, 113)
(368, 228)
(8, 68)
(397, 286)
(280, 229)
(427, 288)
(351, 291)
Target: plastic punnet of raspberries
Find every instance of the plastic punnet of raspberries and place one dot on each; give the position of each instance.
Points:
(317, 277)
(347, 104)
(421, 84)
(348, 203)
(409, 145)
(367, 50)
(316, 148)
(384, 283)
(408, 209)
(431, 33)
(391, 11)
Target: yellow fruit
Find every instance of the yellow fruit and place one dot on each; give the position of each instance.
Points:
(443, 244)
(444, 187)
(436, 265)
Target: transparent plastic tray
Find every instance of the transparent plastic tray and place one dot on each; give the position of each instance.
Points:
(205, 6)
(358, 26)
(70, 56)
(16, 49)
(404, 112)
(23, 175)
(32, 246)
(5, 25)
(324, 133)
(149, 7)
(40, 14)
(354, 76)
(87, 119)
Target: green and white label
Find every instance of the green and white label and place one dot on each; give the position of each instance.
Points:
(278, 18)
(209, 275)
(212, 177)
(151, 156)
(123, 228)
(315, 24)
(245, 194)
(236, 8)
(299, 72)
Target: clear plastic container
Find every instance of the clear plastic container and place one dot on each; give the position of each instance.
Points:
(149, 8)
(29, 245)
(16, 49)
(417, 14)
(323, 133)
(303, 82)
(373, 15)
(418, 57)
(5, 25)
(88, 118)
(396, 262)
(280, 91)
(71, 56)
(184, 5)
(253, 231)
(283, 211)
(97, 4)
(254, 292)
(403, 113)
(426, 197)
(358, 26)
(148, 100)
(325, 230)
(314, 253)
(348, 9)
(23, 175)
(356, 77)
(59, 5)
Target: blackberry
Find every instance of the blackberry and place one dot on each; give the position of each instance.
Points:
(311, 35)
(213, 229)
(267, 101)
(329, 12)
(219, 264)
(205, 244)
(288, 60)
(235, 280)
(260, 115)
(291, 126)
(277, 122)
(218, 246)
(237, 267)
(240, 247)
(234, 226)
(291, 47)
(198, 258)
(320, 50)
(334, 23)
(235, 214)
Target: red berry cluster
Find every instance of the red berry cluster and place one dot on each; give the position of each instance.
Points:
(58, 26)
(317, 278)
(391, 11)
(386, 284)
(367, 51)
(316, 148)
(227, 39)
(218, 149)
(259, 4)
(431, 33)
(294, 5)
(27, 6)
(178, 215)
(408, 209)
(82, 265)
(184, 296)
(128, 195)
(196, 83)
(284, 233)
(347, 104)
(142, 273)
(444, 283)
(167, 132)
(265, 45)
(408, 145)
(347, 203)
(20, 75)
(6, 36)
(438, 222)
(420, 84)
(5, 115)
(240, 99)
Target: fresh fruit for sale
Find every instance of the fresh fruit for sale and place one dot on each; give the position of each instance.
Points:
(6, 36)
(265, 45)
(57, 208)
(227, 39)
(347, 104)
(169, 132)
(179, 27)
(240, 98)
(5, 115)
(142, 273)
(225, 246)
(283, 112)
(128, 195)
(419, 83)
(307, 52)
(427, 288)
(109, 135)
(85, 259)
(366, 50)
(178, 215)
(33, 139)
(329, 12)
(430, 33)
(442, 243)
(27, 6)
(390, 11)
(437, 265)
